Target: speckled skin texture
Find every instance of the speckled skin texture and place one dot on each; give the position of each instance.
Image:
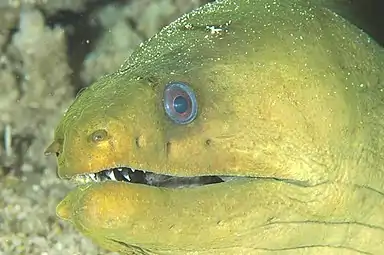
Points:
(288, 91)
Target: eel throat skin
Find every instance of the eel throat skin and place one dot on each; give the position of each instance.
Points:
(288, 93)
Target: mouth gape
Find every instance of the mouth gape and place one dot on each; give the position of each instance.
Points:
(130, 175)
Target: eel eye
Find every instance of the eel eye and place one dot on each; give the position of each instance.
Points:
(180, 103)
(99, 135)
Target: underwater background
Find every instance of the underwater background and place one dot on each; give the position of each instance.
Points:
(49, 50)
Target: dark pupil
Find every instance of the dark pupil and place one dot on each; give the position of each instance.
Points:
(180, 104)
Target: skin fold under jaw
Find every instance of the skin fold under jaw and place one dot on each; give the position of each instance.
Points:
(283, 156)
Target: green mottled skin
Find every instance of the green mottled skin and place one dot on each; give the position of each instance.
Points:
(287, 91)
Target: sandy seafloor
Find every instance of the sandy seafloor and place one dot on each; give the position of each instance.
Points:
(49, 50)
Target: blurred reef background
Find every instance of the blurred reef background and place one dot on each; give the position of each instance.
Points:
(49, 50)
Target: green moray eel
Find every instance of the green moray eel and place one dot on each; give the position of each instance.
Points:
(270, 113)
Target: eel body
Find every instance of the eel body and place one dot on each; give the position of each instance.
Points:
(277, 106)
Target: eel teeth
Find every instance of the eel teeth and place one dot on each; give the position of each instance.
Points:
(131, 175)
(126, 175)
(93, 177)
(111, 175)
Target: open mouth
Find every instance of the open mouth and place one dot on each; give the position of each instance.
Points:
(130, 175)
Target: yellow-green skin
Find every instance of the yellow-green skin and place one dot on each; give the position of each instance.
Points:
(286, 91)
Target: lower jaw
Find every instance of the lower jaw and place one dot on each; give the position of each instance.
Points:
(250, 213)
(111, 184)
(185, 219)
(102, 192)
(119, 198)
(136, 214)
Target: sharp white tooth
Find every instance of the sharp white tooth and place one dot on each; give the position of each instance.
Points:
(93, 176)
(126, 176)
(133, 170)
(120, 169)
(111, 175)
